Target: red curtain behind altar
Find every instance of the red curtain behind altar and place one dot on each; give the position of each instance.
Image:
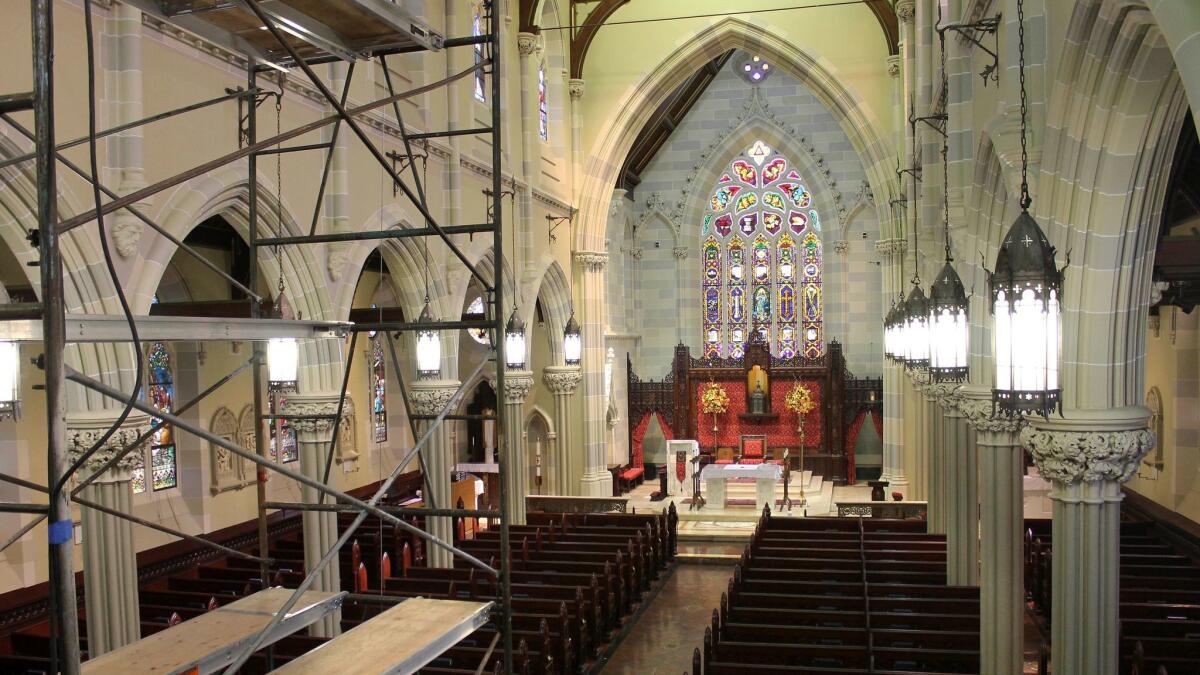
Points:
(639, 437)
(780, 432)
(851, 440)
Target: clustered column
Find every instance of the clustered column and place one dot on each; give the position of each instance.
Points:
(597, 482)
(517, 385)
(110, 562)
(959, 490)
(430, 397)
(1001, 517)
(1087, 455)
(893, 377)
(314, 424)
(562, 381)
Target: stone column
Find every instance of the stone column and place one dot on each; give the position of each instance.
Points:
(961, 503)
(1001, 513)
(530, 49)
(517, 385)
(110, 562)
(320, 528)
(596, 482)
(681, 254)
(562, 381)
(1087, 454)
(575, 91)
(429, 397)
(336, 203)
(929, 438)
(123, 98)
(894, 385)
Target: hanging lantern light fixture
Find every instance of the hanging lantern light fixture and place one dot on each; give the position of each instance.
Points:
(429, 346)
(572, 342)
(949, 334)
(514, 342)
(10, 379)
(283, 362)
(429, 339)
(1026, 295)
(914, 311)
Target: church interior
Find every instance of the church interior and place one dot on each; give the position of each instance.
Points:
(549, 337)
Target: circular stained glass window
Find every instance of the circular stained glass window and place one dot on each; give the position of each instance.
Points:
(475, 309)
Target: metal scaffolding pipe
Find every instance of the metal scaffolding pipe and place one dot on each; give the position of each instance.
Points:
(369, 507)
(377, 234)
(150, 190)
(131, 125)
(397, 510)
(64, 617)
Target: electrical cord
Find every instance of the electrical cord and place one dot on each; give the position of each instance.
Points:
(108, 261)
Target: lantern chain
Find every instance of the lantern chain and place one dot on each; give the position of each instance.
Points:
(945, 141)
(279, 198)
(1026, 200)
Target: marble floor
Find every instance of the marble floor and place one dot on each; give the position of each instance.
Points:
(662, 641)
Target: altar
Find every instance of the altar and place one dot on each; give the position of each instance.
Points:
(715, 478)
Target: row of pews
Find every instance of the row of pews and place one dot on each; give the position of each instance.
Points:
(576, 580)
(842, 595)
(1159, 608)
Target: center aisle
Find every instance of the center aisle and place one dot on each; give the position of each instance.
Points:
(665, 635)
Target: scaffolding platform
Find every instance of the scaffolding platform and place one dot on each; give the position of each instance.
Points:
(403, 639)
(214, 639)
(346, 30)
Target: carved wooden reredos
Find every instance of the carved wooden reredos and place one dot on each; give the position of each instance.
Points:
(842, 396)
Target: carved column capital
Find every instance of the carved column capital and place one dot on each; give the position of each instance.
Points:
(562, 380)
(681, 252)
(82, 434)
(636, 253)
(841, 246)
(575, 88)
(947, 396)
(1099, 445)
(517, 385)
(527, 43)
(891, 247)
(592, 261)
(429, 397)
(980, 414)
(893, 66)
(906, 10)
(304, 406)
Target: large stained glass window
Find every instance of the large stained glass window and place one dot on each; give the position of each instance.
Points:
(161, 395)
(477, 19)
(378, 390)
(761, 220)
(543, 108)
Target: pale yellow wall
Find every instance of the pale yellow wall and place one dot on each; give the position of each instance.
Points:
(846, 39)
(1171, 356)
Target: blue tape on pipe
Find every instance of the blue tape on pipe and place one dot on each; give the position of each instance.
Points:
(61, 531)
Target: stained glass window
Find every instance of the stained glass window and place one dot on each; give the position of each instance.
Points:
(543, 110)
(712, 298)
(757, 212)
(378, 390)
(285, 451)
(161, 392)
(476, 31)
(475, 311)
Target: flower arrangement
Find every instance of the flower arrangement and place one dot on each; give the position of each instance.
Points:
(800, 401)
(714, 400)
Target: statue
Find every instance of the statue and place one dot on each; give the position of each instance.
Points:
(758, 400)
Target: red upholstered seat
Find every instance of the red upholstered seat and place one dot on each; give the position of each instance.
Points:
(723, 461)
(632, 472)
(754, 450)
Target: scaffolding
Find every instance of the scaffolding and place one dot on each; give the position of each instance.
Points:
(272, 35)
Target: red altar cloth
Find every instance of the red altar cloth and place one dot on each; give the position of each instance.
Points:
(780, 432)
